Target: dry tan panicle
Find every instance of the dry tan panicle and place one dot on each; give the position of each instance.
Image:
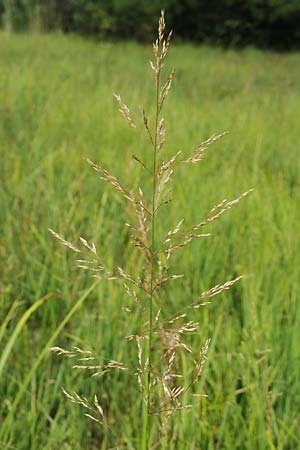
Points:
(172, 409)
(187, 239)
(174, 319)
(136, 281)
(124, 110)
(95, 408)
(166, 45)
(187, 327)
(99, 369)
(127, 290)
(86, 356)
(96, 266)
(157, 315)
(131, 227)
(108, 278)
(171, 338)
(161, 134)
(91, 247)
(163, 176)
(60, 351)
(161, 26)
(186, 347)
(165, 166)
(82, 352)
(127, 277)
(161, 342)
(142, 367)
(142, 229)
(167, 391)
(76, 398)
(176, 392)
(140, 350)
(106, 176)
(160, 281)
(165, 422)
(132, 294)
(92, 417)
(216, 212)
(219, 210)
(166, 377)
(174, 231)
(218, 289)
(219, 205)
(142, 219)
(104, 368)
(160, 47)
(63, 241)
(131, 337)
(98, 407)
(139, 243)
(156, 54)
(204, 304)
(198, 154)
(163, 181)
(195, 236)
(165, 90)
(162, 269)
(152, 66)
(72, 354)
(88, 265)
(202, 360)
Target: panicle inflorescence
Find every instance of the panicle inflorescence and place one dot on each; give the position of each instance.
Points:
(160, 339)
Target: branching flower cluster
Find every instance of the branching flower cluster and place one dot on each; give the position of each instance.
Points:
(160, 340)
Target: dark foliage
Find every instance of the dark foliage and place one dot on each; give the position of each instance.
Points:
(263, 23)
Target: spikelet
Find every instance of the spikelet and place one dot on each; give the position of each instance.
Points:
(217, 211)
(216, 290)
(94, 409)
(124, 110)
(63, 241)
(107, 176)
(165, 90)
(198, 154)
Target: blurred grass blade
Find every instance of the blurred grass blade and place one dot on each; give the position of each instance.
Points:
(18, 328)
(9, 315)
(25, 383)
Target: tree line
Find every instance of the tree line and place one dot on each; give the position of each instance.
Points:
(262, 23)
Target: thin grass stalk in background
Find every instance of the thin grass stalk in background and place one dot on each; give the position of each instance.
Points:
(18, 328)
(4, 430)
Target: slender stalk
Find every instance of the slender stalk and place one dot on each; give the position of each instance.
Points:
(145, 432)
(153, 213)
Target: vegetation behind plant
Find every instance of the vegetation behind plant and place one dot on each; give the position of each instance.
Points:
(56, 109)
(261, 23)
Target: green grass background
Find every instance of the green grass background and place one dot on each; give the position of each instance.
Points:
(56, 108)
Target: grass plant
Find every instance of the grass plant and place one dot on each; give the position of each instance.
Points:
(167, 366)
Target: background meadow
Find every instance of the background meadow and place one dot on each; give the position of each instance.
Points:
(56, 108)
